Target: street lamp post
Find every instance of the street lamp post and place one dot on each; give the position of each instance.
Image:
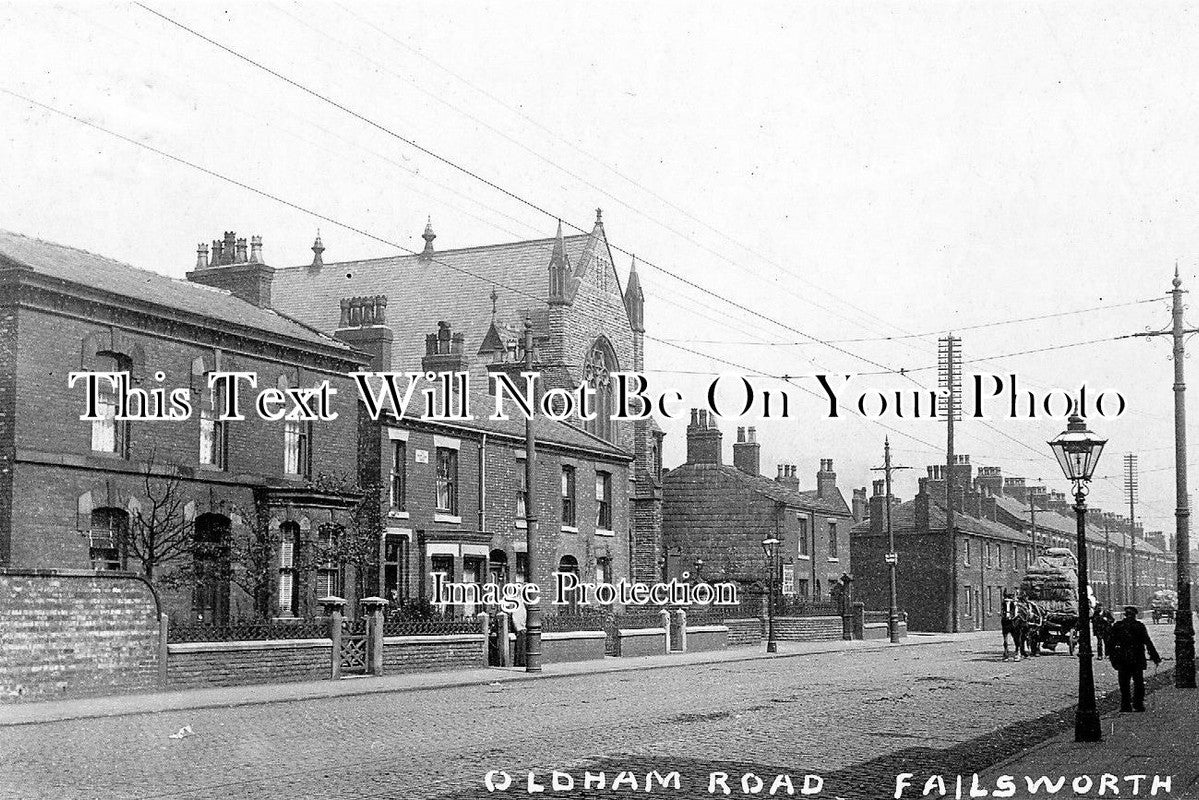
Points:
(770, 547)
(1077, 451)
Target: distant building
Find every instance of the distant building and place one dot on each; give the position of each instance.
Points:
(994, 523)
(719, 514)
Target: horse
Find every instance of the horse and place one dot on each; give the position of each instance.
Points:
(1020, 621)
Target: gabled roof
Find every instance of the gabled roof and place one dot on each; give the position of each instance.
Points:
(772, 489)
(451, 285)
(218, 307)
(903, 520)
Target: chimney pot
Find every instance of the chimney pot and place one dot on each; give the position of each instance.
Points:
(740, 435)
(255, 249)
(201, 256)
(752, 434)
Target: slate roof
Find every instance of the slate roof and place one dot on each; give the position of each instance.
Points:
(455, 285)
(219, 308)
(546, 430)
(772, 489)
(903, 519)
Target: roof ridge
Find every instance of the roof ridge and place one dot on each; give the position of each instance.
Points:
(437, 253)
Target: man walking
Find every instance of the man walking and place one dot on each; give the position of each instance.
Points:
(1101, 623)
(1126, 648)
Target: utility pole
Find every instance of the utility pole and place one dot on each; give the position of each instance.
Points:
(892, 556)
(949, 379)
(533, 618)
(1184, 627)
(1130, 490)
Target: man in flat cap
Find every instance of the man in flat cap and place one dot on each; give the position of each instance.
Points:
(1127, 645)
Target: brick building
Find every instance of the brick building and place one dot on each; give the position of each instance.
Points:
(994, 522)
(93, 494)
(465, 309)
(452, 493)
(720, 514)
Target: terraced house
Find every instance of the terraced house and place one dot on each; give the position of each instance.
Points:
(221, 516)
(451, 495)
(716, 516)
(1000, 525)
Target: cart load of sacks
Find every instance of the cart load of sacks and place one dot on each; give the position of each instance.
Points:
(1052, 582)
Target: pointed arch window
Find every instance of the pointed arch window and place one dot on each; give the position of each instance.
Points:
(597, 373)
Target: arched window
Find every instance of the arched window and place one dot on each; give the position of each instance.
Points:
(570, 564)
(210, 564)
(110, 435)
(107, 537)
(289, 549)
(597, 373)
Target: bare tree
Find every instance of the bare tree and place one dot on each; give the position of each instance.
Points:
(253, 557)
(159, 535)
(351, 539)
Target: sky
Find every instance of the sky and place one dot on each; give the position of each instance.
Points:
(829, 175)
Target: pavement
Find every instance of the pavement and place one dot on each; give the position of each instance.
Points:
(1154, 754)
(235, 696)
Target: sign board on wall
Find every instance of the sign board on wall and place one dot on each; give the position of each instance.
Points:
(788, 579)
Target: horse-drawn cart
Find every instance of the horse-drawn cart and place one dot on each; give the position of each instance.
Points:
(1164, 604)
(1050, 587)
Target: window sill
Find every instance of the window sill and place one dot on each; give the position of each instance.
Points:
(569, 529)
(210, 468)
(441, 517)
(834, 560)
(804, 557)
(604, 532)
(520, 523)
(394, 514)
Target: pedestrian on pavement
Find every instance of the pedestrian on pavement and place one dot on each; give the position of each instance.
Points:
(520, 618)
(1126, 648)
(1102, 622)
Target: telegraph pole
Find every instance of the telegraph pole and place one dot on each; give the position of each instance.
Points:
(1130, 489)
(533, 618)
(1184, 627)
(892, 556)
(950, 384)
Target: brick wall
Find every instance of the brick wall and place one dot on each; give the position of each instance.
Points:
(192, 666)
(70, 635)
(807, 629)
(744, 632)
(428, 653)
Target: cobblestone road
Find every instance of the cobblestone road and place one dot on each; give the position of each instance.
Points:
(855, 718)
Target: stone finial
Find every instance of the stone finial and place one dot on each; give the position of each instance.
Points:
(428, 236)
(317, 250)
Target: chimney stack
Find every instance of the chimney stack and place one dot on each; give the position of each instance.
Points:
(826, 479)
(703, 438)
(443, 351)
(363, 326)
(231, 269)
(747, 453)
(859, 506)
